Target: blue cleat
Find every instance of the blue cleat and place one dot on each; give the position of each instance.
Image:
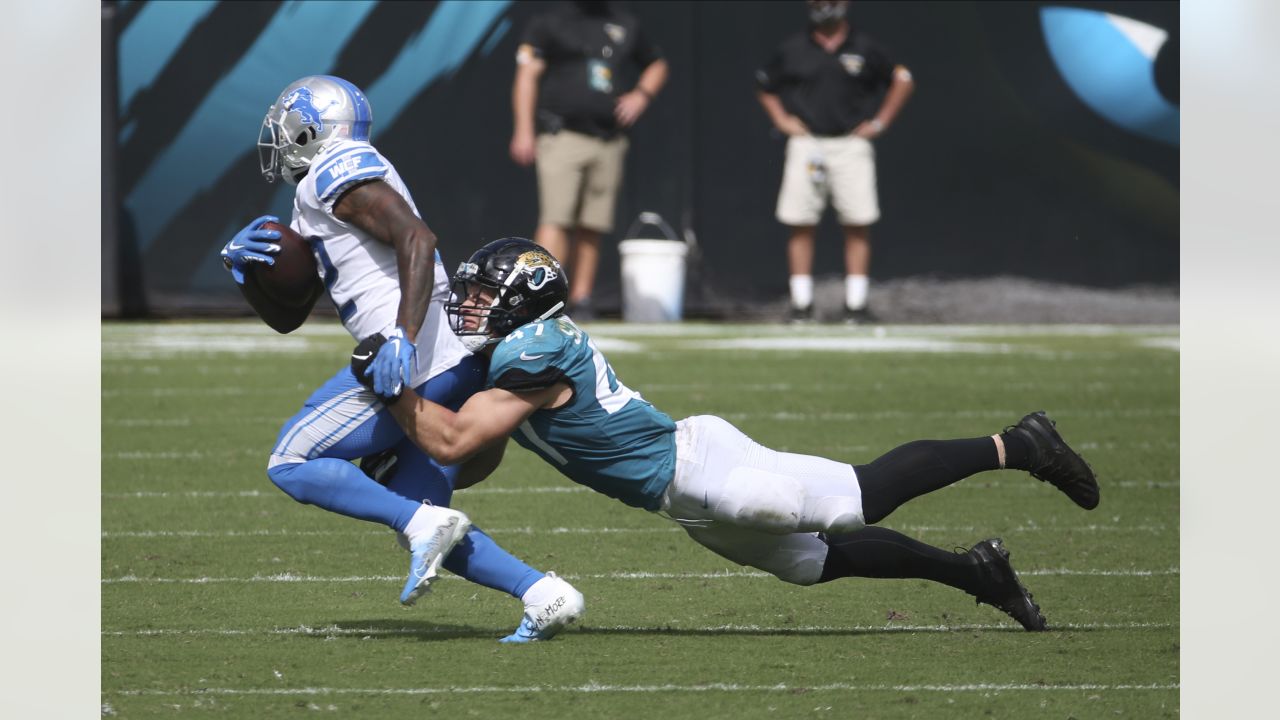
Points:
(432, 533)
(550, 606)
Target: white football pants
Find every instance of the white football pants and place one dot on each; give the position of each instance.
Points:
(757, 506)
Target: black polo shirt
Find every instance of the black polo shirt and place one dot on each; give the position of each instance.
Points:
(594, 53)
(831, 92)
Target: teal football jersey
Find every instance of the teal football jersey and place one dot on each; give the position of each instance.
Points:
(606, 437)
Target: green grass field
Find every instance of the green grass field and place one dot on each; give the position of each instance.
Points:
(223, 597)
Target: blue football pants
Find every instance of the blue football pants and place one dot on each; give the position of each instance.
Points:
(342, 421)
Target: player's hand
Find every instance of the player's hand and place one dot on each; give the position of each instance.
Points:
(792, 126)
(392, 366)
(524, 148)
(629, 107)
(362, 359)
(251, 245)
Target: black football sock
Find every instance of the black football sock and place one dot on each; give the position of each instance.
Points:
(919, 467)
(875, 552)
(1017, 452)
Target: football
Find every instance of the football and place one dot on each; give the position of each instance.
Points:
(293, 279)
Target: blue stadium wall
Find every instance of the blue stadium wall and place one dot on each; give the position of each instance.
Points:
(1042, 140)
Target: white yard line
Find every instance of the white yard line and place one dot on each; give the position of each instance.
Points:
(338, 631)
(171, 534)
(646, 689)
(720, 575)
(272, 494)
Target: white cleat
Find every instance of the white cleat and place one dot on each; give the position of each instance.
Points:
(550, 606)
(432, 533)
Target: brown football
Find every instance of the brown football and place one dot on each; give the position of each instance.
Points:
(293, 279)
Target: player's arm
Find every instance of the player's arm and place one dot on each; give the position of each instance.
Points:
(524, 101)
(486, 418)
(632, 105)
(380, 211)
(786, 123)
(900, 88)
(281, 318)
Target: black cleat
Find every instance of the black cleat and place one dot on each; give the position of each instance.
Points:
(861, 316)
(1003, 590)
(1053, 461)
(800, 316)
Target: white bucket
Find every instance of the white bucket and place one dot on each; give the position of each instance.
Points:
(652, 274)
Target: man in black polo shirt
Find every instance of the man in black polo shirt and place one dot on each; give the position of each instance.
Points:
(568, 69)
(823, 89)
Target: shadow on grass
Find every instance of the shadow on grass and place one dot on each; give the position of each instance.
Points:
(430, 631)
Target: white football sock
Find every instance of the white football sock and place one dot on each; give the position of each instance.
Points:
(855, 291)
(424, 522)
(542, 591)
(801, 291)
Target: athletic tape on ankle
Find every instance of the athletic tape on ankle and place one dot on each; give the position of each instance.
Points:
(999, 449)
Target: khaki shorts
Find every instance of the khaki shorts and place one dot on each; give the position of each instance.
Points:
(578, 179)
(842, 169)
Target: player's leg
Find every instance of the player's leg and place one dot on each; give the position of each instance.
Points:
(810, 558)
(724, 476)
(922, 466)
(550, 603)
(304, 465)
(801, 200)
(602, 180)
(800, 248)
(561, 174)
(311, 462)
(853, 194)
(586, 256)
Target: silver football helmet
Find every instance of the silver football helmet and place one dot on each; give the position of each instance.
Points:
(307, 115)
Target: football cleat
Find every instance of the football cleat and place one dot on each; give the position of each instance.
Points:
(551, 605)
(800, 316)
(1003, 590)
(429, 545)
(1053, 461)
(861, 316)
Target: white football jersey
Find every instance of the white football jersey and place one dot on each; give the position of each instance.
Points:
(358, 271)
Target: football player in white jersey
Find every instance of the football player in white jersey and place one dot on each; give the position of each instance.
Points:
(378, 263)
(804, 519)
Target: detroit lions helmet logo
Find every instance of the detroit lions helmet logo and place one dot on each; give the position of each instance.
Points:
(539, 267)
(302, 102)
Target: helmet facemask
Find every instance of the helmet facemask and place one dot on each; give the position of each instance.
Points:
(499, 290)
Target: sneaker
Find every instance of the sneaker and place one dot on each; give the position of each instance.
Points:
(442, 529)
(861, 316)
(800, 316)
(1003, 590)
(1054, 462)
(551, 605)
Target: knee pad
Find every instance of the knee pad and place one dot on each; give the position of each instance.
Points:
(762, 500)
(840, 514)
(806, 569)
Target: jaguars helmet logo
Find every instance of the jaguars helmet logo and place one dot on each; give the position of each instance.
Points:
(539, 268)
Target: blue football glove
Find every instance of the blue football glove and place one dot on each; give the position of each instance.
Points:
(392, 367)
(251, 245)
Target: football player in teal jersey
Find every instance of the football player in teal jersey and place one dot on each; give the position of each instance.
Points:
(803, 519)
